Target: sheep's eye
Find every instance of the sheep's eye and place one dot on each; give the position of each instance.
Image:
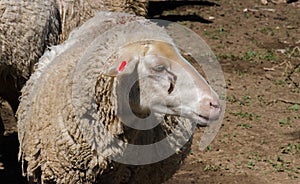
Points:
(159, 68)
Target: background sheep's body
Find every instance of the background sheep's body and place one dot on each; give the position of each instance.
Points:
(73, 13)
(60, 127)
(27, 28)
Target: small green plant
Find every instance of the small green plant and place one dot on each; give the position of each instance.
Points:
(267, 31)
(212, 168)
(227, 56)
(287, 149)
(197, 161)
(286, 121)
(251, 164)
(279, 82)
(244, 125)
(281, 165)
(250, 116)
(209, 148)
(247, 99)
(297, 117)
(294, 107)
(249, 55)
(231, 99)
(214, 37)
(261, 98)
(290, 149)
(256, 156)
(269, 56)
(277, 165)
(221, 30)
(206, 33)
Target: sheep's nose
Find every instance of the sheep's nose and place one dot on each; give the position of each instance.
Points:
(211, 108)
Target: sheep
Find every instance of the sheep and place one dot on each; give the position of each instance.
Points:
(73, 109)
(27, 28)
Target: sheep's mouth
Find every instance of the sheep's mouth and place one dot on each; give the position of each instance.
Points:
(199, 119)
(196, 117)
(202, 120)
(204, 117)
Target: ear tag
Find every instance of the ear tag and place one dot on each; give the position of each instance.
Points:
(122, 66)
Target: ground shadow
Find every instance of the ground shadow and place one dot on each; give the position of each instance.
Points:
(9, 147)
(156, 9)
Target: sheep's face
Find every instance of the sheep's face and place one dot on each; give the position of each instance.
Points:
(165, 83)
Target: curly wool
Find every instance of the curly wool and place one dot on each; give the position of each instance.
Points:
(66, 132)
(74, 13)
(27, 28)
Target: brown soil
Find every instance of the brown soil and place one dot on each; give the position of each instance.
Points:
(258, 47)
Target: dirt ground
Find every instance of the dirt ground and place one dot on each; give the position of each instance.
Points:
(258, 47)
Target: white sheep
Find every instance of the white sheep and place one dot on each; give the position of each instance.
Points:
(27, 28)
(115, 69)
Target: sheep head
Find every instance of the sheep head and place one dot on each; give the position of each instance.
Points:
(155, 78)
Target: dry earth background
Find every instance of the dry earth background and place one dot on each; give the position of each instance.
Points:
(258, 47)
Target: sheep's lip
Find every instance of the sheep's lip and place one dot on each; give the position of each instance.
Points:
(200, 119)
(204, 117)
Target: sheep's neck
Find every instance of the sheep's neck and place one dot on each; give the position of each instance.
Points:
(134, 102)
(107, 104)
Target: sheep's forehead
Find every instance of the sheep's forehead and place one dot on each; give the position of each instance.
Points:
(154, 47)
(164, 50)
(172, 53)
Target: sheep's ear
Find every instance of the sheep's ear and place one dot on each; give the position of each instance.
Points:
(124, 66)
(125, 60)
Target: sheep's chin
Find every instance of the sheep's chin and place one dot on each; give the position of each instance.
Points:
(199, 120)
(201, 123)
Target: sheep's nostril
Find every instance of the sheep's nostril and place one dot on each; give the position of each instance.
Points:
(210, 108)
(214, 109)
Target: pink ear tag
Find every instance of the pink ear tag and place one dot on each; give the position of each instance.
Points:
(122, 66)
